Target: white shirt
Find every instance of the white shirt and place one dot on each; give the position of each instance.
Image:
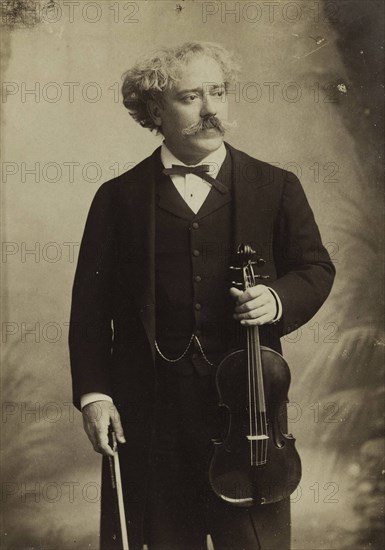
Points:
(194, 190)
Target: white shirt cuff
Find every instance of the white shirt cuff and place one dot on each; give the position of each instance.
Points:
(279, 306)
(88, 398)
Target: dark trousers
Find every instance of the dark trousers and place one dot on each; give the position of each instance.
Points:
(181, 506)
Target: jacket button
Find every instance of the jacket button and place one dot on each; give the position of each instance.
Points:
(195, 225)
(196, 253)
(198, 306)
(197, 278)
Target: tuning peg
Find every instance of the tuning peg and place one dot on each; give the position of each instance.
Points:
(260, 262)
(235, 268)
(234, 283)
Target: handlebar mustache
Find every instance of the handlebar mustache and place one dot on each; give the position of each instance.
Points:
(207, 123)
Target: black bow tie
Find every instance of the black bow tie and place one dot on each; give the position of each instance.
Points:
(201, 171)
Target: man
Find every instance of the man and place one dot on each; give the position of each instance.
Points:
(152, 312)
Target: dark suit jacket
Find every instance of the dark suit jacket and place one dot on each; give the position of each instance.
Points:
(112, 330)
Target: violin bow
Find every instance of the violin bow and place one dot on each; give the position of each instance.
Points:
(117, 484)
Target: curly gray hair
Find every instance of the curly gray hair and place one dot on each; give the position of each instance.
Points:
(152, 75)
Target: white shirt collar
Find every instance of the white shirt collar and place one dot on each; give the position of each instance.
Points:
(215, 159)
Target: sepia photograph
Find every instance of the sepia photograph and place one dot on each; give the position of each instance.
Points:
(192, 275)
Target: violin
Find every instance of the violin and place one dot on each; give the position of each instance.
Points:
(256, 462)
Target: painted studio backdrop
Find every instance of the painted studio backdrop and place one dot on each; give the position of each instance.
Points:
(308, 99)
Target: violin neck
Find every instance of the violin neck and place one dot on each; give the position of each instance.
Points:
(256, 389)
(253, 340)
(255, 331)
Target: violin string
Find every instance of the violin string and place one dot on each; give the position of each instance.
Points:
(256, 399)
(260, 393)
(250, 399)
(265, 414)
(261, 400)
(254, 432)
(255, 404)
(249, 280)
(254, 395)
(248, 376)
(256, 368)
(263, 406)
(261, 396)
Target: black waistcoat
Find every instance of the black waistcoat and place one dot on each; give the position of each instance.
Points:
(192, 258)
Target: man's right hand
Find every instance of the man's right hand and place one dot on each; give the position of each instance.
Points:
(96, 419)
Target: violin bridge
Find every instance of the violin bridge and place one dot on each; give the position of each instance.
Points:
(257, 437)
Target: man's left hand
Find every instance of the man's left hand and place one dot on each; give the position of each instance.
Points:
(254, 306)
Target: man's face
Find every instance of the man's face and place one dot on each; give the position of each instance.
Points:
(198, 94)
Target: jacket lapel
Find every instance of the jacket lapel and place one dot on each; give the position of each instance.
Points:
(138, 242)
(252, 190)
